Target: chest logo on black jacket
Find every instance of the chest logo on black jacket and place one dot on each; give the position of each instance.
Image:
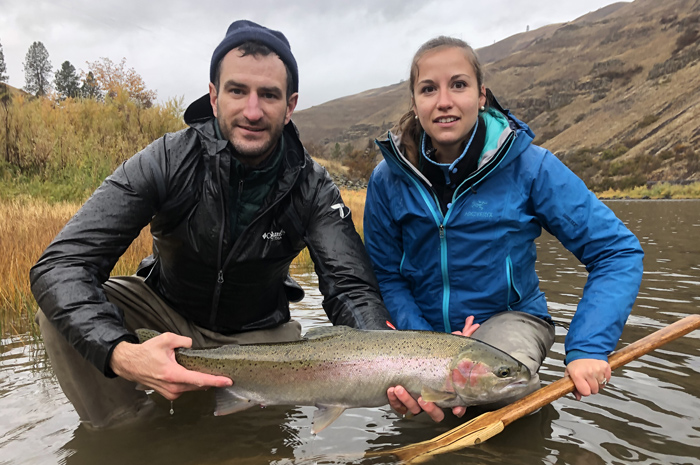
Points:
(273, 236)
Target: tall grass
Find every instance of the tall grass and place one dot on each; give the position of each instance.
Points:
(27, 226)
(63, 151)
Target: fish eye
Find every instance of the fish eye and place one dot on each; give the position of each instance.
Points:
(503, 372)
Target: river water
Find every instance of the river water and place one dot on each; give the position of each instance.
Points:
(649, 414)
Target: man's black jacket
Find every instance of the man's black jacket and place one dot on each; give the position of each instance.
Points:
(179, 184)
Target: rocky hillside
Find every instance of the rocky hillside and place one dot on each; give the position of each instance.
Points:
(615, 94)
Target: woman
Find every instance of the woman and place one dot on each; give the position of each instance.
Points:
(451, 217)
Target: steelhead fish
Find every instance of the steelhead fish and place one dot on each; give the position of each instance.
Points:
(338, 367)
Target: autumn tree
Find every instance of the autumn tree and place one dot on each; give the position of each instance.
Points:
(114, 78)
(37, 70)
(90, 88)
(67, 82)
(3, 68)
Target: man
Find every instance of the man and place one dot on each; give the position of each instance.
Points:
(230, 201)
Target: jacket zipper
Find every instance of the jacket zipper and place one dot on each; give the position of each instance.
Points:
(432, 202)
(511, 282)
(220, 276)
(236, 245)
(445, 281)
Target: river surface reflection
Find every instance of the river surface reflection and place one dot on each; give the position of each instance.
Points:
(650, 413)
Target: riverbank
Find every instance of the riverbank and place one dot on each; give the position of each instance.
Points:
(656, 192)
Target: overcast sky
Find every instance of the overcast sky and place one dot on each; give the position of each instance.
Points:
(341, 47)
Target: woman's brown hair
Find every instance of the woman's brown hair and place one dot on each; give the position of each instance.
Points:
(409, 127)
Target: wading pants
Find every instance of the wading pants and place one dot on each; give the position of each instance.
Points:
(524, 337)
(104, 402)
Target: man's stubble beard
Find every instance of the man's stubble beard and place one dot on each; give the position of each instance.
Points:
(243, 149)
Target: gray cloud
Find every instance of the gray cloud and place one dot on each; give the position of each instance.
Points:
(342, 47)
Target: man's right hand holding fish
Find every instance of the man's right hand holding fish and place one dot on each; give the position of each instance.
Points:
(153, 364)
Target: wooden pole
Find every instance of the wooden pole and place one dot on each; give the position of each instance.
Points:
(490, 424)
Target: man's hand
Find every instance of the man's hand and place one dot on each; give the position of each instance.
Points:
(401, 401)
(153, 364)
(589, 376)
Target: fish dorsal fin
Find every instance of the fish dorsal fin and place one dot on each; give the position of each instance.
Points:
(324, 416)
(431, 395)
(228, 402)
(146, 334)
(320, 332)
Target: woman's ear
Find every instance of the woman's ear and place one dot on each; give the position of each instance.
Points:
(482, 95)
(413, 108)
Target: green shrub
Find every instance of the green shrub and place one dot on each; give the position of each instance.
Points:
(647, 121)
(610, 154)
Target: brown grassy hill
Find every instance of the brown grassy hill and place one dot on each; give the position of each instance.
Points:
(6, 89)
(355, 118)
(615, 93)
(521, 41)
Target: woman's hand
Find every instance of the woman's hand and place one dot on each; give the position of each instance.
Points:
(589, 376)
(469, 327)
(401, 401)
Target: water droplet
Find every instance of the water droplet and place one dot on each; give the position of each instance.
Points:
(172, 410)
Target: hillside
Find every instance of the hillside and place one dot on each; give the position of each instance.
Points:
(6, 89)
(614, 93)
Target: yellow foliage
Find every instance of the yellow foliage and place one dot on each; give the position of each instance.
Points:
(78, 141)
(27, 226)
(116, 78)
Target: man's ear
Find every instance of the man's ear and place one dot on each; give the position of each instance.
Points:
(213, 96)
(291, 105)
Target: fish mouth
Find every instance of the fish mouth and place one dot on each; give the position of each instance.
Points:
(519, 383)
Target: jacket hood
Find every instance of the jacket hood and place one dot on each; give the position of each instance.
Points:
(199, 110)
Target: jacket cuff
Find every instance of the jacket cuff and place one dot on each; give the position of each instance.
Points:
(107, 369)
(579, 354)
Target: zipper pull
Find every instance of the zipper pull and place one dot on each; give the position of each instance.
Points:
(240, 187)
(442, 231)
(221, 277)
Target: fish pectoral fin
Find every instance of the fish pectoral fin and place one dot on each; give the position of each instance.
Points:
(324, 416)
(431, 395)
(228, 402)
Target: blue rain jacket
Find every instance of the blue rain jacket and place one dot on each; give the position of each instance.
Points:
(479, 258)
